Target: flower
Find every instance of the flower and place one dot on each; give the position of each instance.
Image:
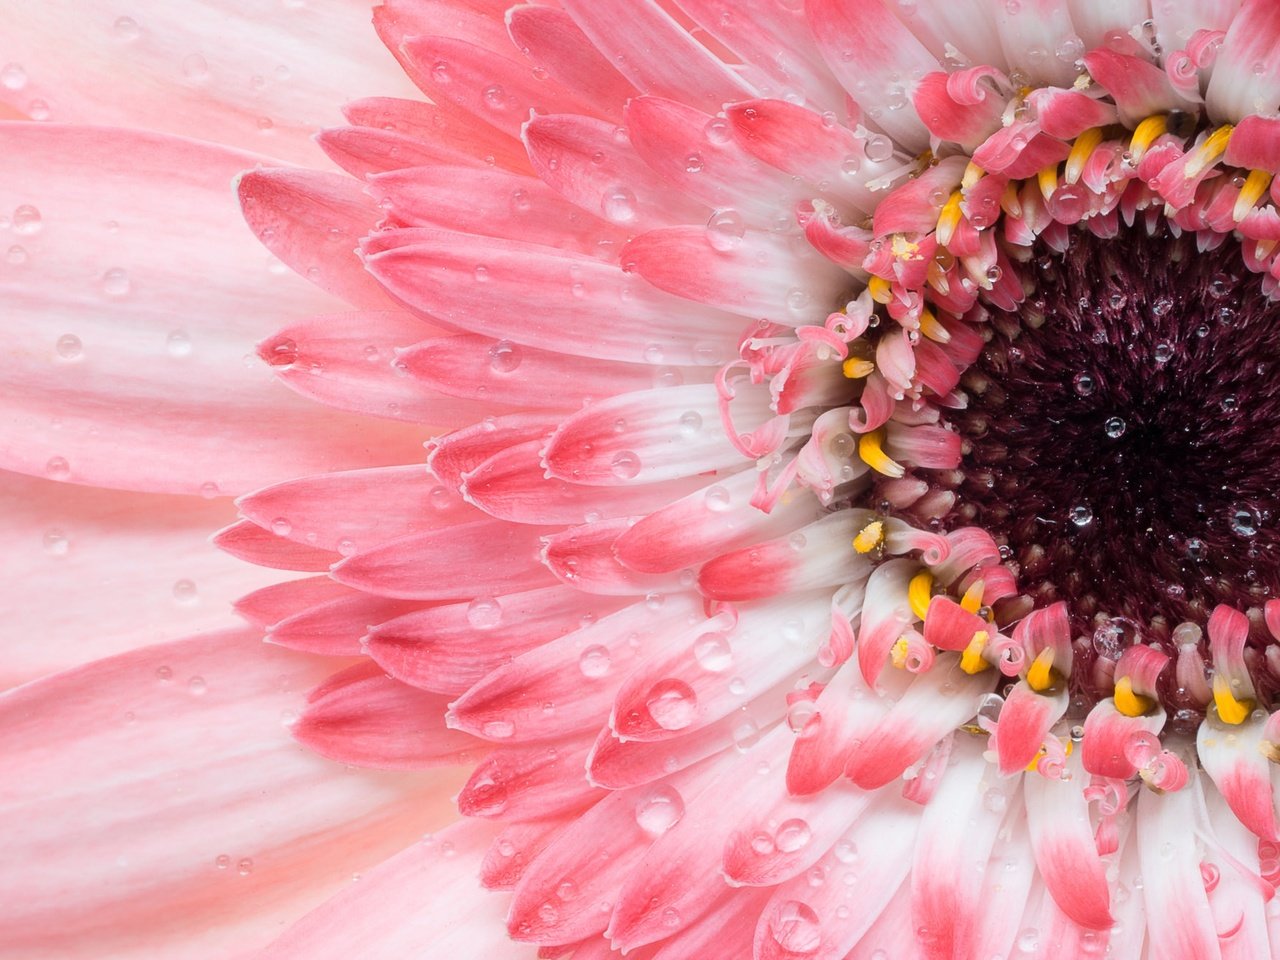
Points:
(812, 376)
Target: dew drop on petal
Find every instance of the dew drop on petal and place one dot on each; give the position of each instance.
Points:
(12, 76)
(498, 729)
(618, 204)
(717, 499)
(1083, 384)
(184, 591)
(198, 686)
(1115, 427)
(484, 613)
(725, 229)
(56, 543)
(57, 468)
(792, 835)
(625, 465)
(116, 282)
(27, 220)
(659, 810)
(594, 661)
(69, 347)
(794, 926)
(712, 652)
(672, 704)
(178, 344)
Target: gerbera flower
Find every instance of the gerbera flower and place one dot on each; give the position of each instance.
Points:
(847, 526)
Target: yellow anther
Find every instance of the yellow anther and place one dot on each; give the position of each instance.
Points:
(972, 660)
(1255, 185)
(1081, 150)
(855, 368)
(903, 248)
(1214, 146)
(1040, 673)
(1048, 180)
(879, 289)
(1230, 710)
(871, 450)
(1129, 703)
(1148, 131)
(932, 329)
(949, 218)
(898, 652)
(972, 174)
(972, 599)
(869, 537)
(920, 592)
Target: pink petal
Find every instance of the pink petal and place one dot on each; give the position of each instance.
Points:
(448, 648)
(254, 544)
(443, 136)
(655, 53)
(363, 717)
(386, 916)
(1025, 721)
(583, 557)
(461, 451)
(1062, 840)
(1107, 733)
(530, 782)
(1040, 26)
(438, 278)
(1232, 757)
(579, 673)
(1237, 87)
(182, 358)
(486, 557)
(336, 627)
(163, 783)
(104, 571)
(1138, 87)
(829, 732)
(166, 72)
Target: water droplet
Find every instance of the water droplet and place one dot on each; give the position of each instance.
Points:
(198, 686)
(718, 499)
(693, 163)
(659, 810)
(794, 927)
(1083, 384)
(244, 867)
(1029, 940)
(56, 543)
(792, 835)
(1163, 352)
(619, 204)
(57, 468)
(495, 97)
(594, 661)
(672, 704)
(69, 347)
(164, 674)
(1080, 515)
(1244, 520)
(26, 220)
(713, 653)
(222, 861)
(625, 465)
(878, 148)
(178, 344)
(39, 110)
(13, 77)
(725, 229)
(126, 29)
(184, 591)
(505, 357)
(690, 423)
(281, 527)
(498, 729)
(484, 613)
(995, 800)
(1114, 427)
(116, 283)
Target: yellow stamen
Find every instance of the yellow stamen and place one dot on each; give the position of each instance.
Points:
(972, 660)
(972, 599)
(1230, 710)
(879, 289)
(932, 329)
(855, 368)
(1048, 180)
(869, 537)
(1129, 703)
(1214, 146)
(972, 174)
(898, 652)
(903, 248)
(1148, 131)
(949, 218)
(1040, 673)
(920, 592)
(1255, 185)
(871, 450)
(1085, 144)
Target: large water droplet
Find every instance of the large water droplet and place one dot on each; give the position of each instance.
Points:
(625, 465)
(1115, 427)
(659, 810)
(484, 613)
(27, 220)
(672, 704)
(594, 661)
(725, 230)
(795, 928)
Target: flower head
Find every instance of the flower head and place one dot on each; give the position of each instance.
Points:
(849, 527)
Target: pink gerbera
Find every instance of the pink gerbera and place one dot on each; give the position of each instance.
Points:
(848, 526)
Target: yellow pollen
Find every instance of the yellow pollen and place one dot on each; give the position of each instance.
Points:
(972, 660)
(1048, 180)
(855, 368)
(972, 174)
(949, 218)
(1148, 131)
(879, 289)
(1214, 146)
(932, 329)
(1084, 146)
(920, 592)
(1129, 703)
(903, 248)
(1230, 710)
(1255, 185)
(972, 599)
(869, 537)
(899, 652)
(1269, 749)
(1040, 674)
(871, 450)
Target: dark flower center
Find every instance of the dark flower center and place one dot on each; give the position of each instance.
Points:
(1124, 434)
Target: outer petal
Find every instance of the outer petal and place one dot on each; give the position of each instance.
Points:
(114, 253)
(159, 791)
(190, 69)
